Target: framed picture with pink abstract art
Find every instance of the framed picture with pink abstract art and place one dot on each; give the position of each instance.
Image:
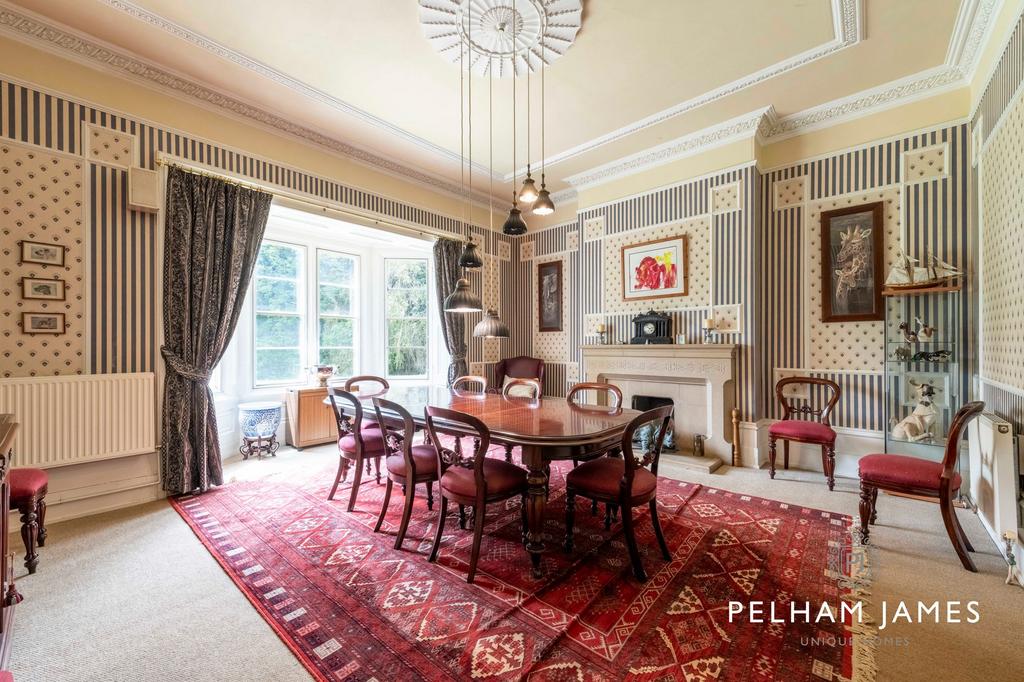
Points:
(655, 269)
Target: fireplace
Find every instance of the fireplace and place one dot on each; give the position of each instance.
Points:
(646, 432)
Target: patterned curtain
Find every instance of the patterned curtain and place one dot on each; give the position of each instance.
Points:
(213, 235)
(453, 325)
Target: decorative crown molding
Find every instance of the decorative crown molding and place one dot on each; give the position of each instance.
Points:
(68, 43)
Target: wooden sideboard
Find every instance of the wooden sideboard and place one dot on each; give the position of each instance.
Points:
(309, 421)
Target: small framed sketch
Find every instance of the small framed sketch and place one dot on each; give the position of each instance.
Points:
(549, 296)
(42, 323)
(42, 254)
(655, 269)
(851, 264)
(34, 288)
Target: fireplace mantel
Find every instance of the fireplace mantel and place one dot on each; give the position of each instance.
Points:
(700, 378)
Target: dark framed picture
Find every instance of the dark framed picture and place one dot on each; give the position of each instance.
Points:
(851, 264)
(43, 254)
(655, 269)
(42, 323)
(549, 296)
(34, 288)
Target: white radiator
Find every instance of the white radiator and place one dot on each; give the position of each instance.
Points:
(993, 474)
(75, 419)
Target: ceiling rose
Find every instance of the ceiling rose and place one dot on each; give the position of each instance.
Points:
(446, 24)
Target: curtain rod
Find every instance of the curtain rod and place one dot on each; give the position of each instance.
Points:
(308, 202)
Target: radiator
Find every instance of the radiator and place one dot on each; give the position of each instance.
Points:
(993, 474)
(76, 419)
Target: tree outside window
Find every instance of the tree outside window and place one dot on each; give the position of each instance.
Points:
(278, 318)
(405, 281)
(336, 291)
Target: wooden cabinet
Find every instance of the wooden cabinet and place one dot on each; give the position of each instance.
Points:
(310, 422)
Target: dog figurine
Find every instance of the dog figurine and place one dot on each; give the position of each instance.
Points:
(917, 426)
(924, 332)
(909, 335)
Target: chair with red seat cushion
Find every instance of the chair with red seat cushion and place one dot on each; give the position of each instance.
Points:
(28, 496)
(915, 476)
(519, 367)
(359, 443)
(471, 480)
(804, 431)
(625, 483)
(407, 464)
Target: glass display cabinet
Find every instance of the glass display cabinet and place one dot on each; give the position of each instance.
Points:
(924, 385)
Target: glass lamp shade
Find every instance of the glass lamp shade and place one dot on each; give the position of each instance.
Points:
(543, 205)
(470, 258)
(462, 300)
(514, 224)
(491, 327)
(528, 194)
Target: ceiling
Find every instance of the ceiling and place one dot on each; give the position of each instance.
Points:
(638, 75)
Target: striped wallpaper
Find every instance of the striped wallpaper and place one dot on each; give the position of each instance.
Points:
(122, 303)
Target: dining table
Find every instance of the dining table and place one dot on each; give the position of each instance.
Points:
(546, 429)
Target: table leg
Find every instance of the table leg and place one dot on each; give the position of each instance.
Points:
(536, 498)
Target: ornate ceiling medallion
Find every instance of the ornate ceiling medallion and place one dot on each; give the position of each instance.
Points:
(446, 26)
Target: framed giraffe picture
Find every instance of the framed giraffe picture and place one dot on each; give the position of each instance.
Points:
(851, 264)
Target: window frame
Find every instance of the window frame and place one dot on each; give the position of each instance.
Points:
(302, 314)
(387, 318)
(355, 309)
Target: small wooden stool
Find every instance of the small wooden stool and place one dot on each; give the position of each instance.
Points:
(28, 496)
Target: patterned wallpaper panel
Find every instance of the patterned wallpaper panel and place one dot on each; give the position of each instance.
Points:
(41, 200)
(554, 346)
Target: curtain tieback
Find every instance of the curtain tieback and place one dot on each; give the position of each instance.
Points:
(182, 368)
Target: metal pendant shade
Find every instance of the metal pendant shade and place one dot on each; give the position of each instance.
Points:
(491, 327)
(462, 300)
(514, 224)
(470, 258)
(528, 194)
(543, 205)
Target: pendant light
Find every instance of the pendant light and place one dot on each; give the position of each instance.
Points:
(514, 224)
(528, 194)
(543, 205)
(470, 258)
(491, 327)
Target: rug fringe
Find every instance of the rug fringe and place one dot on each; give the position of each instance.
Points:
(865, 631)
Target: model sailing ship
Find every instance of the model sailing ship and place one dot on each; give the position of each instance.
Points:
(907, 274)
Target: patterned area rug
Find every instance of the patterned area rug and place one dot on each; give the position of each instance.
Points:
(352, 607)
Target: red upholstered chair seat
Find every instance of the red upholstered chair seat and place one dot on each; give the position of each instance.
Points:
(814, 432)
(26, 484)
(904, 472)
(502, 479)
(373, 440)
(423, 456)
(601, 477)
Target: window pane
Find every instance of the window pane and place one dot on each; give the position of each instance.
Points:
(407, 274)
(277, 365)
(335, 300)
(278, 260)
(403, 333)
(276, 331)
(407, 361)
(277, 295)
(335, 332)
(336, 268)
(341, 358)
(407, 303)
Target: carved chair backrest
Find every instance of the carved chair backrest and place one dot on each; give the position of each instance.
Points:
(533, 384)
(463, 424)
(650, 458)
(613, 391)
(962, 417)
(831, 387)
(398, 428)
(471, 379)
(368, 379)
(348, 412)
(521, 367)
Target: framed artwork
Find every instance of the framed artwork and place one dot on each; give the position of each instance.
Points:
(43, 254)
(655, 269)
(549, 296)
(851, 264)
(42, 323)
(35, 288)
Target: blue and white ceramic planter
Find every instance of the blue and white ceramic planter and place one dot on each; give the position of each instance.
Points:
(259, 420)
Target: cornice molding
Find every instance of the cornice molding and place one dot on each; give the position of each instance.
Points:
(69, 43)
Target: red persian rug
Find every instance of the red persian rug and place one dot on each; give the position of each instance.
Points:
(352, 607)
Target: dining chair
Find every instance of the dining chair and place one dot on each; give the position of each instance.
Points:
(471, 379)
(407, 463)
(471, 480)
(614, 396)
(914, 476)
(356, 381)
(625, 482)
(519, 367)
(805, 431)
(359, 444)
(516, 387)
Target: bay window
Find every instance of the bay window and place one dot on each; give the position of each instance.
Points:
(278, 319)
(405, 284)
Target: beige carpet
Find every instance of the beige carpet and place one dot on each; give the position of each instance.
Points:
(132, 595)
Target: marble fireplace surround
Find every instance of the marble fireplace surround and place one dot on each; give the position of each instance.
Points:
(699, 378)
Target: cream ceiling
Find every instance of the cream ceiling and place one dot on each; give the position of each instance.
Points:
(362, 72)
